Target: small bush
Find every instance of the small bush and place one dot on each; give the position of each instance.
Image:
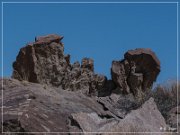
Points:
(166, 97)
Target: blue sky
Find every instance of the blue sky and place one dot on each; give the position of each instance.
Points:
(103, 32)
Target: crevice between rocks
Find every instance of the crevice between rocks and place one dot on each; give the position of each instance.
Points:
(110, 115)
(73, 123)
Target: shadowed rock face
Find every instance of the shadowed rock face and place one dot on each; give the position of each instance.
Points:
(136, 72)
(145, 62)
(119, 76)
(42, 61)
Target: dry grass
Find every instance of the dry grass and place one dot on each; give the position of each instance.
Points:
(166, 96)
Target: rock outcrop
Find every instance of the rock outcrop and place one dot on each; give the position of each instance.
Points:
(47, 93)
(32, 107)
(136, 72)
(43, 61)
(141, 120)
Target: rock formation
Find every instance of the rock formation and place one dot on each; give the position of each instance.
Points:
(32, 107)
(136, 72)
(47, 93)
(43, 61)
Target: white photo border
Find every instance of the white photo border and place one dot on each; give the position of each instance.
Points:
(2, 13)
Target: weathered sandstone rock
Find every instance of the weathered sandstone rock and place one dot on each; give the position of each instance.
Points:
(136, 72)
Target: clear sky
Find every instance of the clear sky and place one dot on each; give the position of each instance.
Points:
(103, 32)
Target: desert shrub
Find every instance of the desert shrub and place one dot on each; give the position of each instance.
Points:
(166, 96)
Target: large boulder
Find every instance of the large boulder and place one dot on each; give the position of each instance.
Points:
(136, 72)
(146, 62)
(145, 119)
(42, 61)
(32, 107)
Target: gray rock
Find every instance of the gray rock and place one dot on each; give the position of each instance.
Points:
(145, 119)
(40, 108)
(31, 107)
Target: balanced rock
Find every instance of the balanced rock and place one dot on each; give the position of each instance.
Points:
(136, 72)
(146, 62)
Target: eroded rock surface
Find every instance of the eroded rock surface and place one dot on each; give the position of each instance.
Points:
(136, 72)
(140, 120)
(44, 62)
(32, 107)
(39, 108)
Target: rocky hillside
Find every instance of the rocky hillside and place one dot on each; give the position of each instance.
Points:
(48, 93)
